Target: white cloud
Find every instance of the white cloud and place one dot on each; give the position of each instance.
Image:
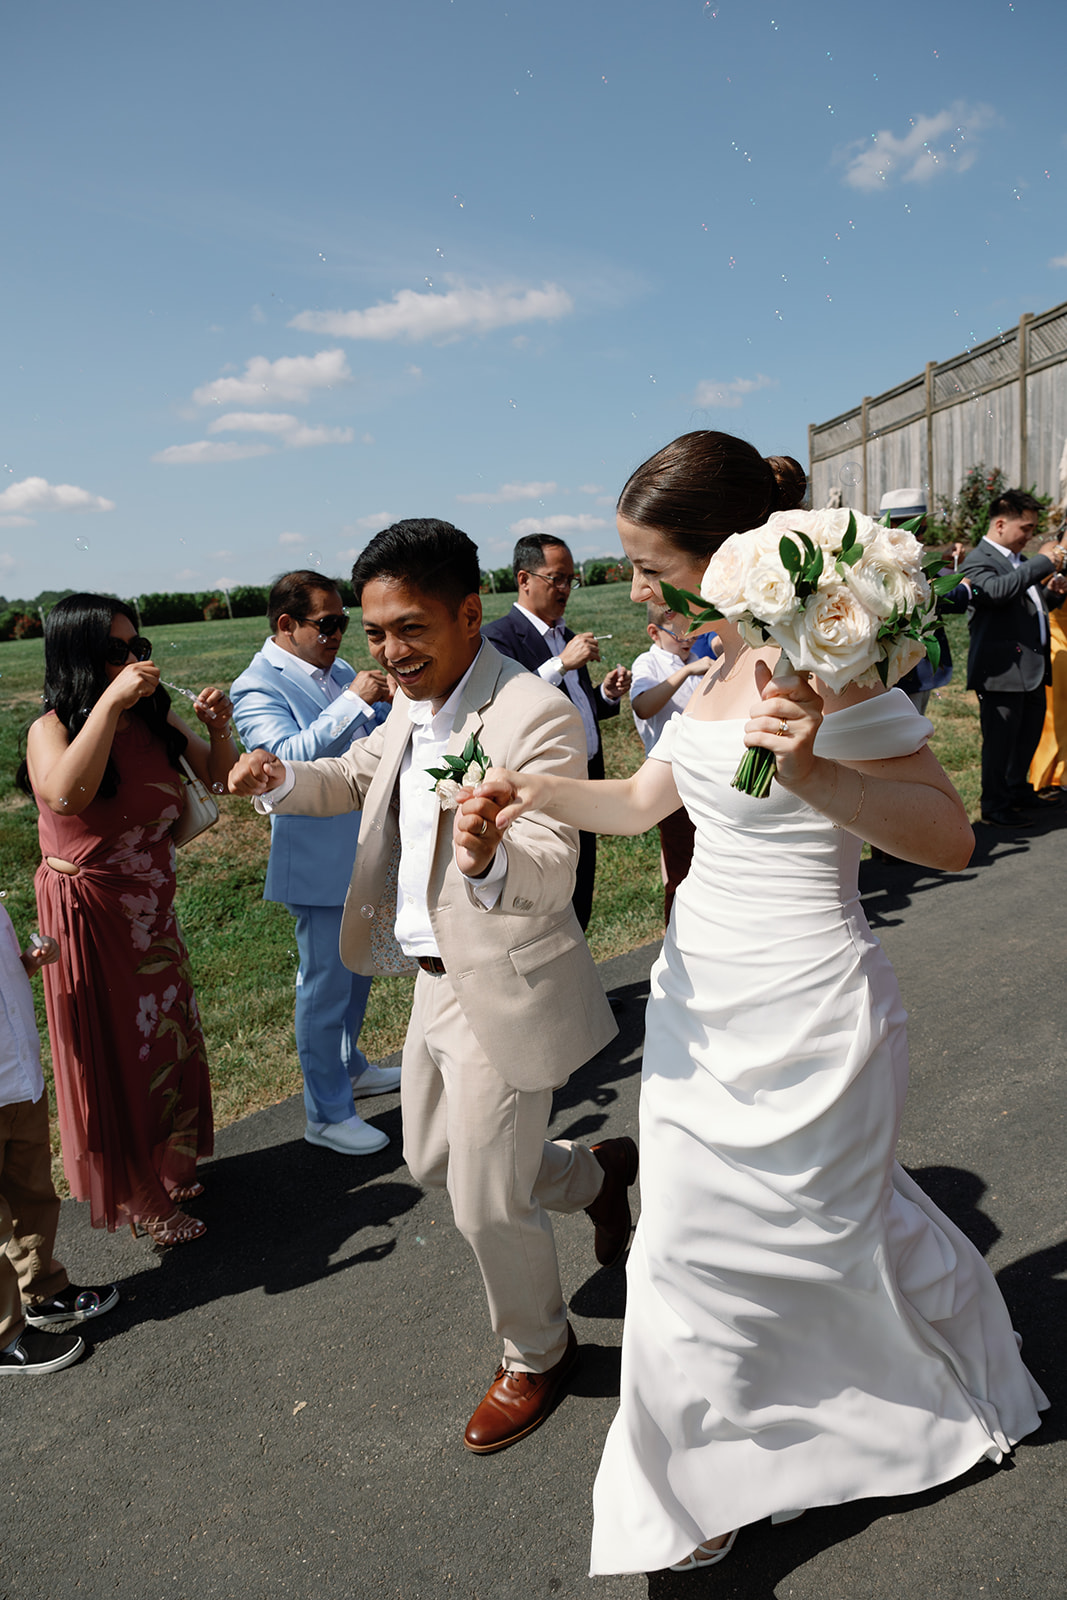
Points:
(188, 572)
(7, 562)
(37, 494)
(561, 525)
(942, 143)
(506, 492)
(374, 523)
(292, 433)
(590, 488)
(368, 438)
(288, 378)
(290, 538)
(460, 310)
(1058, 261)
(711, 394)
(201, 450)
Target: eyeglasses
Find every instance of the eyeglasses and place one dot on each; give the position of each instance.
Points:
(333, 622)
(118, 651)
(561, 583)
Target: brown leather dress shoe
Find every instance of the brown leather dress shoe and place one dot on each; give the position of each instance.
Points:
(518, 1402)
(610, 1211)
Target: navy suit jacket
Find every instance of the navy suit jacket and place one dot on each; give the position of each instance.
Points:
(1006, 653)
(515, 635)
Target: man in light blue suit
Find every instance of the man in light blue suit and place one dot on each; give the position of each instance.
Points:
(299, 700)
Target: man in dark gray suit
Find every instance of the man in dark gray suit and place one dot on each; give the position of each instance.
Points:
(1008, 661)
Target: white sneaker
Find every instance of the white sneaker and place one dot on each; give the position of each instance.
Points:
(353, 1137)
(376, 1080)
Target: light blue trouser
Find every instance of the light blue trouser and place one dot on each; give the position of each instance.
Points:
(330, 1002)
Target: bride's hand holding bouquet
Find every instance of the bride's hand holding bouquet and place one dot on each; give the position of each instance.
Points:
(846, 598)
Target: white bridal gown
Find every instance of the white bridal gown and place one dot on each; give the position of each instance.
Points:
(803, 1326)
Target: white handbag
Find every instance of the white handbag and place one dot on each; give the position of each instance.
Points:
(200, 813)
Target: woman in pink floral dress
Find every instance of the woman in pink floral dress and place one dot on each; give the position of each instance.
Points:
(131, 1073)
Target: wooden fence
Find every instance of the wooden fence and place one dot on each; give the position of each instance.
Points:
(1003, 403)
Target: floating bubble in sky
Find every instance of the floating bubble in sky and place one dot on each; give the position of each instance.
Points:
(850, 474)
(458, 199)
(651, 379)
(321, 256)
(438, 251)
(81, 544)
(315, 558)
(514, 404)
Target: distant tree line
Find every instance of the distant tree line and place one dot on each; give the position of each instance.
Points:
(24, 619)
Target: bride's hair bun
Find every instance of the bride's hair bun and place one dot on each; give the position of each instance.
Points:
(791, 480)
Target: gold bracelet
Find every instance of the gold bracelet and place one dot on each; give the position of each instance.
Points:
(859, 806)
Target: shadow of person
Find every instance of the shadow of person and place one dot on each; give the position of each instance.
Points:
(765, 1556)
(1036, 1293)
(279, 1217)
(887, 888)
(956, 1192)
(620, 1059)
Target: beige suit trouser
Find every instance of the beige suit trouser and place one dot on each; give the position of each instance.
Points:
(29, 1214)
(467, 1130)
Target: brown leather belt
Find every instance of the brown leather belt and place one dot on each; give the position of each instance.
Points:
(431, 964)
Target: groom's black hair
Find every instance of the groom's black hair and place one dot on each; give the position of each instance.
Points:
(425, 554)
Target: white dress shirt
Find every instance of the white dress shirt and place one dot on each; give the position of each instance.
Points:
(20, 1050)
(419, 812)
(552, 672)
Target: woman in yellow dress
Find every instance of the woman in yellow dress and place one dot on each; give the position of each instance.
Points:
(1046, 770)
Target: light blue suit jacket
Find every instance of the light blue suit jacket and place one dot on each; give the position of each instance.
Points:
(278, 707)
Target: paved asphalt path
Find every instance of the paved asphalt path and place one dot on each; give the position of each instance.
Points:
(278, 1410)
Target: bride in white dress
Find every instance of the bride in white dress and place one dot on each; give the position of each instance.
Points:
(803, 1326)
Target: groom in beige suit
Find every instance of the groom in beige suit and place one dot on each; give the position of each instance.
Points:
(507, 1001)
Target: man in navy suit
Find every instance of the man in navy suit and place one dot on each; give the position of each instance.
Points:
(1008, 661)
(533, 634)
(297, 699)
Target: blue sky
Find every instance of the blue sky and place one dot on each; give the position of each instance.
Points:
(276, 274)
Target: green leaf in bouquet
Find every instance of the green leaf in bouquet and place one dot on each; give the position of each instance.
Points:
(682, 601)
(944, 583)
(849, 538)
(933, 651)
(809, 548)
(468, 752)
(912, 525)
(790, 555)
(883, 671)
(849, 557)
(813, 570)
(439, 772)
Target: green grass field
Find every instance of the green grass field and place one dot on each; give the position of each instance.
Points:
(242, 949)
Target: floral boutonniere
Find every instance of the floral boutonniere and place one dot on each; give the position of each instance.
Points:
(459, 772)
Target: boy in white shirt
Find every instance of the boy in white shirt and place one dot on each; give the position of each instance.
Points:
(664, 679)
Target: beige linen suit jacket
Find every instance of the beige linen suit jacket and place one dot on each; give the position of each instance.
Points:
(522, 971)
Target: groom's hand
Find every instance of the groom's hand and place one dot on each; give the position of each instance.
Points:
(475, 835)
(256, 772)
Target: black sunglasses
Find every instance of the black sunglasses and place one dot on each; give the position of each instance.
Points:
(333, 622)
(118, 651)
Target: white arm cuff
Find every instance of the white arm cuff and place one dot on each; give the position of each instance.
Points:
(487, 890)
(265, 803)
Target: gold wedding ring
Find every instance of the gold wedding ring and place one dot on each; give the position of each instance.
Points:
(484, 829)
(783, 728)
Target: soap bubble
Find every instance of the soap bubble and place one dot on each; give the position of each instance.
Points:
(850, 474)
(514, 404)
(81, 544)
(315, 558)
(218, 788)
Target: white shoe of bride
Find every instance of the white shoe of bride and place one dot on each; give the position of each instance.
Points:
(702, 1556)
(784, 1516)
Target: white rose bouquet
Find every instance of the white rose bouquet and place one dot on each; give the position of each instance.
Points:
(459, 772)
(845, 597)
